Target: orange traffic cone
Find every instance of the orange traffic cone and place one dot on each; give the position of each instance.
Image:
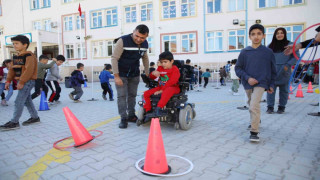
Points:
(310, 89)
(156, 161)
(291, 91)
(79, 133)
(299, 91)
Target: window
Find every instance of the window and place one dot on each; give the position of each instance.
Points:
(1, 31)
(102, 48)
(131, 14)
(188, 43)
(79, 50)
(213, 6)
(146, 12)
(168, 9)
(96, 19)
(267, 3)
(292, 2)
(47, 25)
(68, 26)
(269, 36)
(109, 48)
(150, 44)
(188, 8)
(293, 32)
(46, 3)
(36, 25)
(170, 43)
(82, 22)
(34, 4)
(70, 51)
(97, 49)
(214, 41)
(236, 5)
(67, 1)
(111, 17)
(236, 39)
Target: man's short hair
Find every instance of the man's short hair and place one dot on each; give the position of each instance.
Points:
(21, 38)
(61, 58)
(152, 63)
(166, 55)
(256, 26)
(188, 61)
(108, 66)
(142, 29)
(79, 65)
(43, 57)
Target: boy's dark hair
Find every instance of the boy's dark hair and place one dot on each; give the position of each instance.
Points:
(108, 66)
(6, 61)
(166, 55)
(228, 62)
(43, 57)
(188, 61)
(61, 58)
(143, 29)
(256, 26)
(21, 38)
(79, 65)
(234, 61)
(207, 70)
(152, 64)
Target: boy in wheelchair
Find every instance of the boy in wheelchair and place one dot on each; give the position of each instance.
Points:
(166, 96)
(168, 77)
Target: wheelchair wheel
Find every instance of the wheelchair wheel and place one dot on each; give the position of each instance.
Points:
(193, 113)
(140, 116)
(185, 117)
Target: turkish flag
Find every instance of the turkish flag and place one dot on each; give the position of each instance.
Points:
(79, 9)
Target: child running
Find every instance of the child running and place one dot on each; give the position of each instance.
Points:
(206, 76)
(234, 78)
(76, 81)
(168, 75)
(52, 80)
(256, 68)
(104, 77)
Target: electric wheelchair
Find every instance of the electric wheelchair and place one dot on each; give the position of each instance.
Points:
(178, 110)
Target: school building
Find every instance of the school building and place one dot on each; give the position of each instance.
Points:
(209, 32)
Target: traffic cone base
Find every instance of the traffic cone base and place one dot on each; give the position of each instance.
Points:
(79, 133)
(310, 89)
(299, 92)
(169, 171)
(155, 160)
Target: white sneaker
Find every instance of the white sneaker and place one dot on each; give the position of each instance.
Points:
(230, 91)
(236, 94)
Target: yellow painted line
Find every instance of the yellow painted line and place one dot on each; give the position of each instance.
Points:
(54, 155)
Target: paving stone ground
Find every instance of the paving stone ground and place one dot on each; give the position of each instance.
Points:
(217, 143)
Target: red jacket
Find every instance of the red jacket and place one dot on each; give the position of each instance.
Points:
(316, 69)
(168, 77)
(1, 73)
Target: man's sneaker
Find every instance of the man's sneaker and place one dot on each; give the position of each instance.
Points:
(9, 126)
(123, 123)
(71, 97)
(236, 94)
(281, 110)
(51, 103)
(254, 138)
(133, 119)
(57, 102)
(111, 99)
(104, 97)
(31, 121)
(270, 110)
(76, 101)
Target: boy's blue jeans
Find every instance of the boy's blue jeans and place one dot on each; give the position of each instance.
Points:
(24, 99)
(10, 92)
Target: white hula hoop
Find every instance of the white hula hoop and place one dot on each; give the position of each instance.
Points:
(166, 175)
